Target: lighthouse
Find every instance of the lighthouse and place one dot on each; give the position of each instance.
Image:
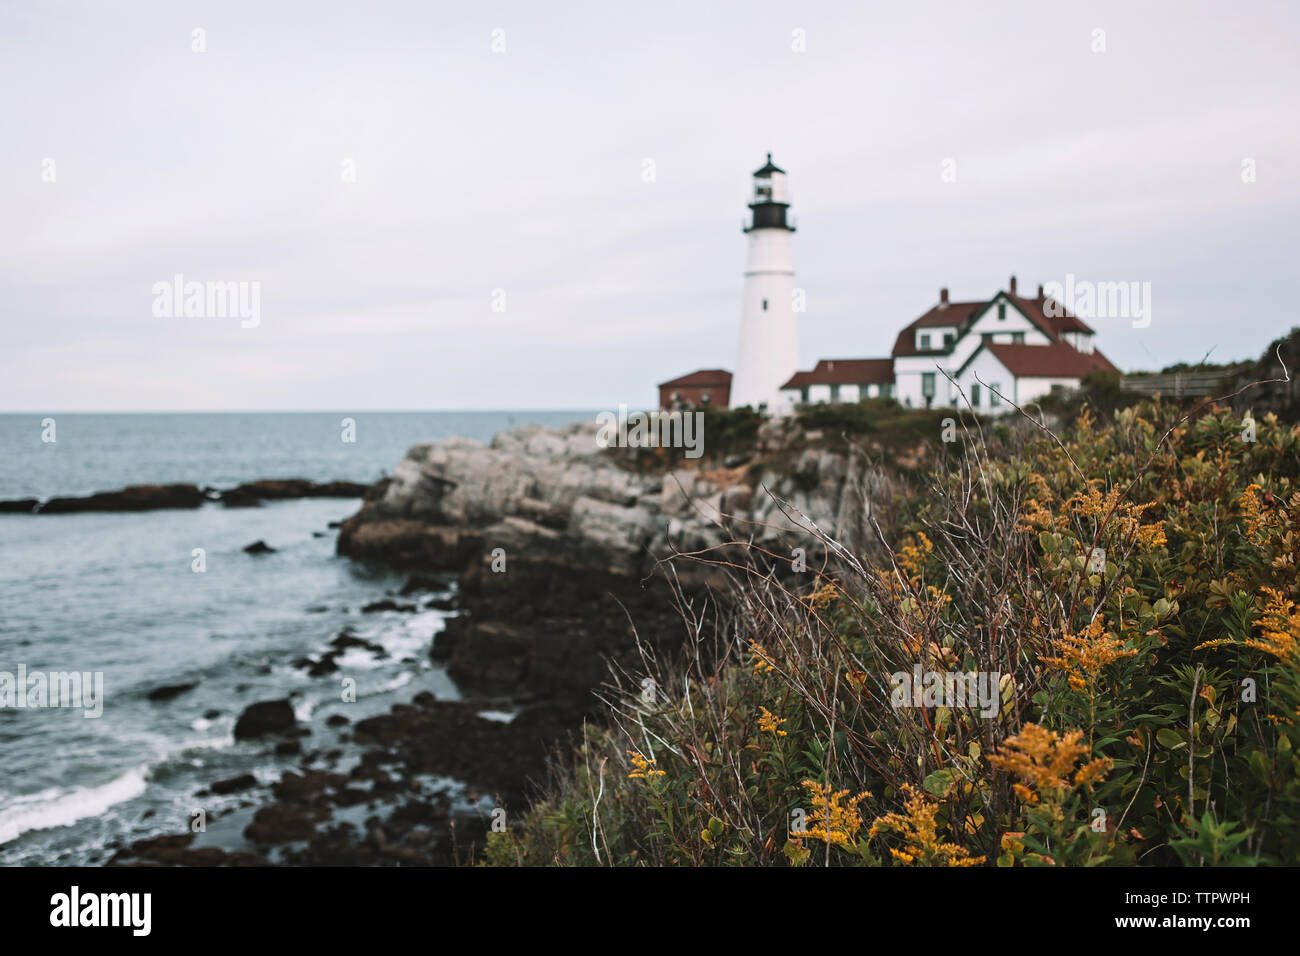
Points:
(769, 342)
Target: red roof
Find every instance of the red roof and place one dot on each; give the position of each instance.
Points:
(1058, 360)
(959, 314)
(705, 376)
(1036, 309)
(845, 372)
(952, 314)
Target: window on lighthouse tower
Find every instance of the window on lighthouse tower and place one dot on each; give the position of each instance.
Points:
(763, 189)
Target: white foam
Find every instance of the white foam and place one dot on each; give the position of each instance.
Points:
(56, 807)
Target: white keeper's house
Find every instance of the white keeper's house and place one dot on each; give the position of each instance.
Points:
(1007, 349)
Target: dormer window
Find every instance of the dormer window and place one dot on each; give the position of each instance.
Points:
(923, 341)
(947, 340)
(1002, 310)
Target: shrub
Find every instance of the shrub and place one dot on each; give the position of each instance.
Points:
(1126, 595)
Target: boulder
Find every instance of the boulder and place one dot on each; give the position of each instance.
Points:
(244, 781)
(265, 717)
(170, 691)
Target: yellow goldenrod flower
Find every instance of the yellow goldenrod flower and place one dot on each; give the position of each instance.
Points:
(831, 821)
(770, 723)
(643, 770)
(1279, 628)
(1250, 510)
(918, 827)
(1083, 656)
(1043, 763)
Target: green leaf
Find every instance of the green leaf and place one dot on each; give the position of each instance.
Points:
(941, 782)
(796, 854)
(1170, 738)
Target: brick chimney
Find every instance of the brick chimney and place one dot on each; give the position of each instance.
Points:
(1041, 297)
(943, 298)
(1013, 285)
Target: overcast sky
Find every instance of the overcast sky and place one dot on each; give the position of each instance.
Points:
(524, 171)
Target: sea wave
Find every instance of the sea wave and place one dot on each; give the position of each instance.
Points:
(59, 807)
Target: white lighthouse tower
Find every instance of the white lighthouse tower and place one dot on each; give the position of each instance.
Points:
(769, 342)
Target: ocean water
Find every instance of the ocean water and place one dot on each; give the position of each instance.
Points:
(117, 594)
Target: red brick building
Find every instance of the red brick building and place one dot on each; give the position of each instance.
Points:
(707, 387)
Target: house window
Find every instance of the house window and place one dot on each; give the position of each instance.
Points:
(675, 397)
(974, 396)
(947, 340)
(923, 341)
(704, 397)
(835, 393)
(1002, 310)
(765, 305)
(887, 390)
(995, 389)
(986, 337)
(927, 385)
(1017, 338)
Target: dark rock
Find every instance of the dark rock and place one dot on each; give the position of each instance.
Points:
(408, 543)
(259, 547)
(211, 714)
(265, 717)
(423, 582)
(253, 493)
(345, 639)
(176, 851)
(284, 823)
(386, 605)
(307, 787)
(131, 498)
(441, 604)
(336, 720)
(170, 691)
(244, 781)
(21, 506)
(327, 664)
(288, 748)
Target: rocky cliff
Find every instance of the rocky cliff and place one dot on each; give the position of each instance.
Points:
(541, 494)
(558, 542)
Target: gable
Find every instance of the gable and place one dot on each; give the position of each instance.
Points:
(1018, 319)
(953, 315)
